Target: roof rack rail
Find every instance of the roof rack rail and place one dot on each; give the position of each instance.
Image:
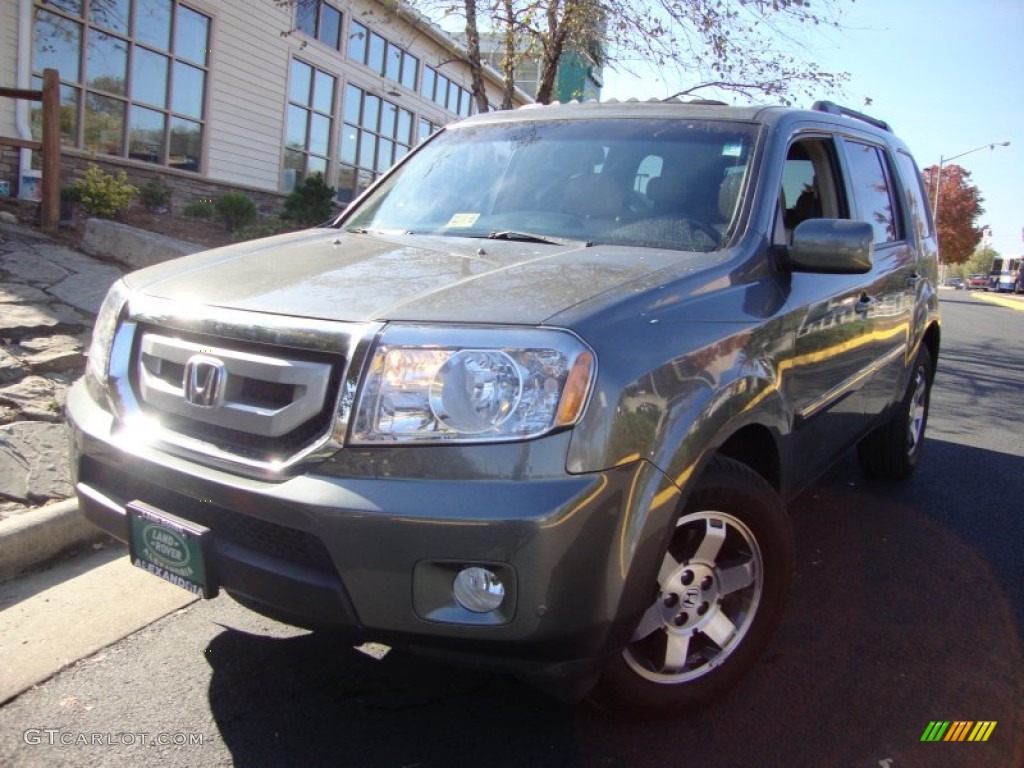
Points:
(835, 109)
(692, 102)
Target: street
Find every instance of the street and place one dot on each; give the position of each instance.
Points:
(907, 608)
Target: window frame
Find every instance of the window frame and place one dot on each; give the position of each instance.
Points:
(301, 8)
(382, 56)
(377, 135)
(312, 110)
(79, 91)
(827, 163)
(445, 92)
(896, 204)
(914, 188)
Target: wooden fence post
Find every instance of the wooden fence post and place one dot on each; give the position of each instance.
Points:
(50, 204)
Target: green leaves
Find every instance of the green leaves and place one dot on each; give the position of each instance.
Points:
(103, 195)
(311, 202)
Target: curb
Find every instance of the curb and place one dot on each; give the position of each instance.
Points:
(30, 539)
(1003, 301)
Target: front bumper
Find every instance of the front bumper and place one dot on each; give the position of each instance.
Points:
(368, 548)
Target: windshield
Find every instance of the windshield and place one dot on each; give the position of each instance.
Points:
(643, 182)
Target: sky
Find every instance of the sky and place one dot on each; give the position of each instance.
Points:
(947, 75)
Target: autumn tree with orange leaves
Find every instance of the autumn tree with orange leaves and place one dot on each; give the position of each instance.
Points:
(959, 208)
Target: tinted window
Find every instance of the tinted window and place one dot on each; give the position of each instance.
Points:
(872, 191)
(916, 197)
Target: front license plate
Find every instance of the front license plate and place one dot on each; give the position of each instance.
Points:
(171, 548)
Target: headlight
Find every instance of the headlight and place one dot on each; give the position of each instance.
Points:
(472, 384)
(103, 331)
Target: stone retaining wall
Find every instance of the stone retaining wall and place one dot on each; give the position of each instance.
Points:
(185, 187)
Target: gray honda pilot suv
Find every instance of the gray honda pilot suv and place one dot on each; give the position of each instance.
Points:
(536, 400)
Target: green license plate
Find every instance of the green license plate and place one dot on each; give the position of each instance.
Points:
(167, 546)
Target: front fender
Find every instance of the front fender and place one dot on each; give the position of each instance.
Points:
(694, 427)
(679, 410)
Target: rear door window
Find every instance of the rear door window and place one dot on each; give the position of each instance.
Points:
(872, 187)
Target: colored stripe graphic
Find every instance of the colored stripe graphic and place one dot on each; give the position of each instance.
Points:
(935, 730)
(982, 730)
(958, 730)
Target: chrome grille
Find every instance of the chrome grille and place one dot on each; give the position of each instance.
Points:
(257, 394)
(295, 377)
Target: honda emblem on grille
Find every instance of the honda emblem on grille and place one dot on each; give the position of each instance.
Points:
(205, 381)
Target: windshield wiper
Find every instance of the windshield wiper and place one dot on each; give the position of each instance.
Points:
(531, 237)
(365, 231)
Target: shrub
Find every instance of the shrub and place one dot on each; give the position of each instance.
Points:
(103, 195)
(311, 202)
(199, 209)
(236, 209)
(262, 227)
(70, 193)
(155, 195)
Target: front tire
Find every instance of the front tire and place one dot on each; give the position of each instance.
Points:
(892, 451)
(719, 595)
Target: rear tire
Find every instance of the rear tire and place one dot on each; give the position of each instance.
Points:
(892, 451)
(718, 598)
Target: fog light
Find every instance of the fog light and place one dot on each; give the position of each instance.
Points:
(478, 589)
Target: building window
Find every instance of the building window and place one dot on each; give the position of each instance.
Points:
(308, 123)
(426, 130)
(440, 90)
(129, 87)
(320, 20)
(382, 56)
(375, 135)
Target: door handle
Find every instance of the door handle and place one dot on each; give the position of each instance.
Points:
(864, 303)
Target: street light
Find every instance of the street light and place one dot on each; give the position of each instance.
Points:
(944, 160)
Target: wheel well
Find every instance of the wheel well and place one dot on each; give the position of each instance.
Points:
(754, 446)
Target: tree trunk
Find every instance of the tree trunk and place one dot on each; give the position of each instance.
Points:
(509, 57)
(553, 51)
(476, 69)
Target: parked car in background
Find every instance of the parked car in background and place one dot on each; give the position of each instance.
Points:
(954, 282)
(978, 282)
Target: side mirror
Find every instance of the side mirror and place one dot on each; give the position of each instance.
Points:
(832, 247)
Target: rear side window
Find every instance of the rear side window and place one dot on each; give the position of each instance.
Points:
(917, 200)
(872, 187)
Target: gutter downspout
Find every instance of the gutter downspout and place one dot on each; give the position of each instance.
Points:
(24, 124)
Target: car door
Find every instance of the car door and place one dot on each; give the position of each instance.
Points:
(845, 327)
(889, 299)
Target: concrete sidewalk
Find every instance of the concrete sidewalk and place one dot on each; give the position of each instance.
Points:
(54, 618)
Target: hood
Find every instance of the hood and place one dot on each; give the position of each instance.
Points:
(335, 275)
